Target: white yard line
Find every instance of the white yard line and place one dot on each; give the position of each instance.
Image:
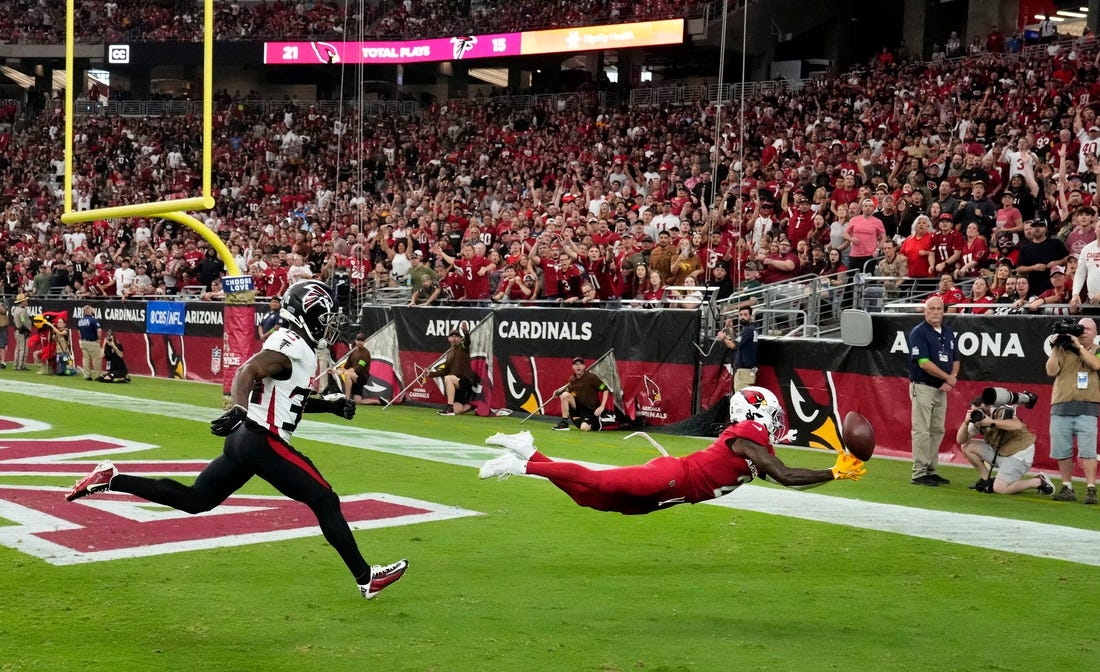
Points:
(1000, 534)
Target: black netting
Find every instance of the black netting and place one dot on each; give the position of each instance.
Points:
(708, 422)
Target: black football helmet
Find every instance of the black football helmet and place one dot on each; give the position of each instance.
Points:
(309, 307)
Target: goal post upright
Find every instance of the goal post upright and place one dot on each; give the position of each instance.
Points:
(176, 207)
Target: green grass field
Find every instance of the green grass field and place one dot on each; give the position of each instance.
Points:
(537, 583)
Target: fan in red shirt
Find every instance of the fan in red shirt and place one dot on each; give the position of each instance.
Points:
(949, 292)
(847, 192)
(259, 278)
(741, 453)
(801, 221)
(453, 286)
(947, 243)
(917, 249)
(570, 277)
(192, 255)
(547, 260)
(715, 251)
(1060, 292)
(275, 278)
(475, 270)
(601, 272)
(975, 252)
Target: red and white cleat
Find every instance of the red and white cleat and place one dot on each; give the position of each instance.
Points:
(382, 576)
(97, 481)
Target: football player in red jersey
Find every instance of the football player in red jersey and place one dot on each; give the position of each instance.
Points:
(741, 453)
(270, 392)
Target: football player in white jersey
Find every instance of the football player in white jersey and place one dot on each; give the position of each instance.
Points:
(270, 392)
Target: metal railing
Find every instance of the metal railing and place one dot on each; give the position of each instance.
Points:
(555, 101)
(709, 93)
(182, 108)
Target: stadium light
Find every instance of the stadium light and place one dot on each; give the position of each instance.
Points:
(1072, 15)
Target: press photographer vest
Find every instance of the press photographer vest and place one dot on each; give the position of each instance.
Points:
(1064, 387)
(1009, 442)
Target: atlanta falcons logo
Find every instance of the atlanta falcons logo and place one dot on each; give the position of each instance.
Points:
(317, 296)
(462, 44)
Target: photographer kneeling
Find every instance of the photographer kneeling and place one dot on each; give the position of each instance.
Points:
(116, 366)
(992, 436)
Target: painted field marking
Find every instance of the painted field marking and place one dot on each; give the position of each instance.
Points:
(1040, 540)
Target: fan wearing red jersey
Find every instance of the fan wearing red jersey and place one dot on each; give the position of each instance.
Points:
(741, 453)
(270, 392)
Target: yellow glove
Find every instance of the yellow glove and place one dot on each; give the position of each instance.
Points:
(848, 466)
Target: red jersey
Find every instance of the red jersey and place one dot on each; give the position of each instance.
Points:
(976, 252)
(988, 298)
(193, 257)
(945, 245)
(601, 275)
(550, 276)
(843, 196)
(800, 226)
(717, 470)
(569, 282)
(950, 297)
(276, 280)
(475, 285)
(452, 285)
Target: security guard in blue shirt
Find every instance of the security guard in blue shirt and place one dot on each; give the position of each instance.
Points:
(933, 372)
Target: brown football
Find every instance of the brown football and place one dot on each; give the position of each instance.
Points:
(859, 436)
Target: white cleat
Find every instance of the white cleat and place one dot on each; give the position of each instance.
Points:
(522, 445)
(382, 576)
(502, 467)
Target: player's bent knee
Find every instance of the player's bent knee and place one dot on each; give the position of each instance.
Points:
(199, 504)
(323, 500)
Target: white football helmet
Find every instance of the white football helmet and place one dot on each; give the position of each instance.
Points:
(759, 405)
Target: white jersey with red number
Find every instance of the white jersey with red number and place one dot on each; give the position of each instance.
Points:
(277, 406)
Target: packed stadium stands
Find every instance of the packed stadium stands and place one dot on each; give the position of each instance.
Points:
(179, 20)
(569, 194)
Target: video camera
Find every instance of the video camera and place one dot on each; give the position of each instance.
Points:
(1062, 330)
(1003, 399)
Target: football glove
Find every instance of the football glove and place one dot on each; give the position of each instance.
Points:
(848, 467)
(345, 408)
(228, 421)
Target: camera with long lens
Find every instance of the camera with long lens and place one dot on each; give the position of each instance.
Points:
(1063, 330)
(999, 396)
(976, 415)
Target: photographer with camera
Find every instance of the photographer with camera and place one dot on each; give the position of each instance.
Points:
(116, 366)
(1075, 402)
(992, 436)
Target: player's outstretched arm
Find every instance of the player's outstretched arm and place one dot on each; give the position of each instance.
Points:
(343, 407)
(775, 469)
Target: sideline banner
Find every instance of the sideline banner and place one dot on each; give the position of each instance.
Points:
(820, 382)
(195, 353)
(533, 349)
(165, 317)
(655, 351)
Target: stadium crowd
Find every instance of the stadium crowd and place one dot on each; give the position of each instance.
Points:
(37, 22)
(955, 162)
